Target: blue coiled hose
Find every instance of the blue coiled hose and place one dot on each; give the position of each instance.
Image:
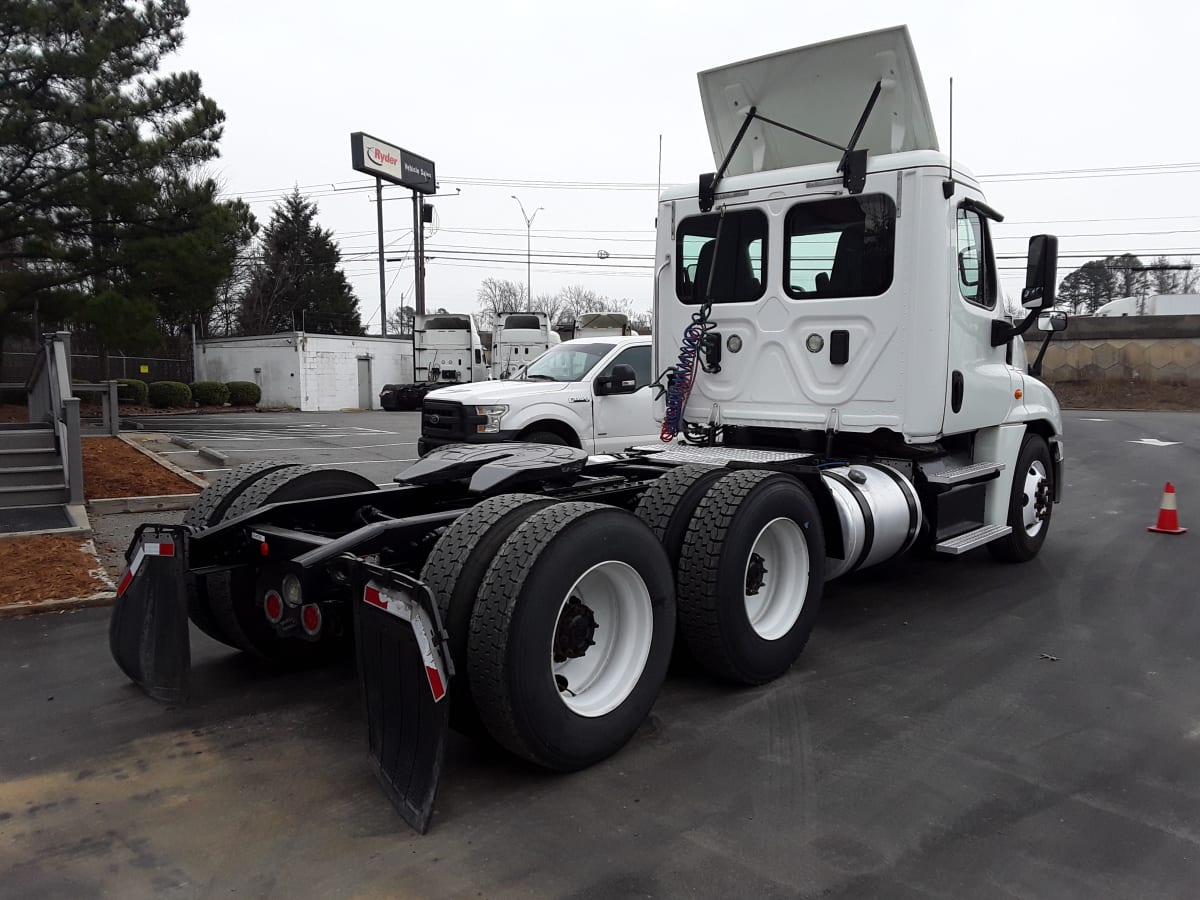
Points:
(683, 373)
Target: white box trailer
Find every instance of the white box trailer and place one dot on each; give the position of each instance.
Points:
(309, 372)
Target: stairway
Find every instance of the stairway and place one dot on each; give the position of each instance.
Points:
(33, 489)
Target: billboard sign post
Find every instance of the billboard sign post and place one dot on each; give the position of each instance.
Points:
(387, 162)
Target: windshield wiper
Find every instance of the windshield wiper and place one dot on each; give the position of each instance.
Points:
(539, 377)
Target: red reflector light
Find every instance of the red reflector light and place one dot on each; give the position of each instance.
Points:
(273, 607)
(310, 618)
(263, 548)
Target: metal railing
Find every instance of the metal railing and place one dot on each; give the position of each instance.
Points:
(50, 399)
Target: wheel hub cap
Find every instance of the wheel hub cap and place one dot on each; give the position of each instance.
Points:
(576, 631)
(755, 574)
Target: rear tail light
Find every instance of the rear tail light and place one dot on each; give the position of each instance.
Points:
(310, 619)
(273, 607)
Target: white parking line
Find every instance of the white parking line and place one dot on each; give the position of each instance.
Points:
(308, 449)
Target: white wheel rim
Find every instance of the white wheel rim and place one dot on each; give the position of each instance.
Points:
(1034, 477)
(775, 595)
(600, 680)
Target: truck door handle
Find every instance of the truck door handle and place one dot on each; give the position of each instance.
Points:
(839, 347)
(956, 391)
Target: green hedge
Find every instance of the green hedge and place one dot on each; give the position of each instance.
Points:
(133, 390)
(244, 393)
(210, 393)
(163, 394)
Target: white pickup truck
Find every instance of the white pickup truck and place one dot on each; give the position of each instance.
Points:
(573, 394)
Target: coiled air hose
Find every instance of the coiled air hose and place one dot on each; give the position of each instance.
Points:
(683, 374)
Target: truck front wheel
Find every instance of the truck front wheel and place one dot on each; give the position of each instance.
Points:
(1030, 503)
(571, 634)
(751, 574)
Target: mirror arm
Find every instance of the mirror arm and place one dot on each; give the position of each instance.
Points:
(1003, 332)
(1035, 368)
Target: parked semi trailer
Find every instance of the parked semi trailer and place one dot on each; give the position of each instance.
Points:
(830, 343)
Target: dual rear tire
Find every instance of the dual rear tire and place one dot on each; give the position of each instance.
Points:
(561, 619)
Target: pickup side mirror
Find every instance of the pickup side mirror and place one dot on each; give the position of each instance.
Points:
(1041, 273)
(623, 380)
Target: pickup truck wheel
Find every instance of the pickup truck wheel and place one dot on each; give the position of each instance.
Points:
(235, 596)
(571, 635)
(751, 574)
(454, 572)
(1030, 503)
(544, 437)
(208, 510)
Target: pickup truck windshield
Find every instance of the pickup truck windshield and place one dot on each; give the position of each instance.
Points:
(566, 362)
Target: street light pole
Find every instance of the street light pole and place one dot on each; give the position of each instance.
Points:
(528, 250)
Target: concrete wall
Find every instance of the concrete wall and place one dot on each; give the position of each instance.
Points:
(311, 372)
(270, 361)
(1134, 348)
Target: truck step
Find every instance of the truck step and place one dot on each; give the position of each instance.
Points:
(972, 539)
(965, 473)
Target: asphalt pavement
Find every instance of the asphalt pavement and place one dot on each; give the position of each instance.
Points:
(955, 729)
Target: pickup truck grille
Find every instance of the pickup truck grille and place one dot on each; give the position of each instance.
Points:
(442, 419)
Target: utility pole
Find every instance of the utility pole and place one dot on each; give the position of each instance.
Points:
(528, 250)
(382, 280)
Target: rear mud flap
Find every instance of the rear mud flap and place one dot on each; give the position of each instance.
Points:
(405, 670)
(148, 632)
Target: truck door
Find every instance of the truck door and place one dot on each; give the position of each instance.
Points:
(980, 391)
(623, 420)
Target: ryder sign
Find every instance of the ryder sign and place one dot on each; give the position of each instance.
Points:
(383, 160)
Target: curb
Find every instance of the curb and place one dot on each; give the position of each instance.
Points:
(165, 463)
(110, 505)
(34, 607)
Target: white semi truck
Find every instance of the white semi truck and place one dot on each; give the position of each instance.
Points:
(828, 340)
(446, 350)
(601, 324)
(518, 338)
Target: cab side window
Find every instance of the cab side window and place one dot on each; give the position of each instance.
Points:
(976, 266)
(636, 357)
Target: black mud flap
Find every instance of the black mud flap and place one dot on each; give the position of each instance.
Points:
(404, 668)
(148, 632)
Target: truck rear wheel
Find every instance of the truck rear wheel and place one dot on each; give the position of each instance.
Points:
(454, 572)
(571, 635)
(1030, 503)
(208, 510)
(751, 574)
(234, 595)
(667, 507)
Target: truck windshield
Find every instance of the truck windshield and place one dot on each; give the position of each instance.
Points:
(566, 362)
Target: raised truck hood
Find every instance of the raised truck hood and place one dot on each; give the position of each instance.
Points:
(497, 391)
(821, 89)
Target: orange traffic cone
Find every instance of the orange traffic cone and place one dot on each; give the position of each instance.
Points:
(1168, 516)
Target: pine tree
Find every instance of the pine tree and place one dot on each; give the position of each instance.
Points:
(298, 282)
(92, 142)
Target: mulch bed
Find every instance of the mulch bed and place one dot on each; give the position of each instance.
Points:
(111, 468)
(49, 567)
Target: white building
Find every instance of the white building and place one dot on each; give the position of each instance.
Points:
(311, 372)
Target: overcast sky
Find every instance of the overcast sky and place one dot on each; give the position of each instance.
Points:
(504, 93)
